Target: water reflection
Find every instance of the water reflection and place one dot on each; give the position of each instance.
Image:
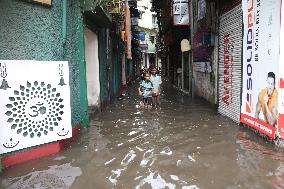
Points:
(266, 162)
(57, 177)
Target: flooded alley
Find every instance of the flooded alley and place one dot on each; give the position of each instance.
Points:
(185, 145)
(74, 75)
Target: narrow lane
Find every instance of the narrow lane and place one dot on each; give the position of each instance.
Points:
(186, 144)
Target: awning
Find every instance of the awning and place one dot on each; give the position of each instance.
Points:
(99, 17)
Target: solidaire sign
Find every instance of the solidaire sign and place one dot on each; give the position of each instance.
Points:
(261, 20)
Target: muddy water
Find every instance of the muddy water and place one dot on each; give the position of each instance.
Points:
(183, 145)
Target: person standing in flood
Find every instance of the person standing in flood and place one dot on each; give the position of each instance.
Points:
(157, 81)
(146, 90)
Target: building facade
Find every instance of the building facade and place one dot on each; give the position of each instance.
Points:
(87, 35)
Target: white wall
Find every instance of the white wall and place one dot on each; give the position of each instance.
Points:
(146, 21)
(92, 68)
(146, 18)
(151, 46)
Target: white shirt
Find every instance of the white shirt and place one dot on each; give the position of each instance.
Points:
(157, 81)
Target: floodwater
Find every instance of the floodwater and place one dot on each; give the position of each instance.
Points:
(184, 145)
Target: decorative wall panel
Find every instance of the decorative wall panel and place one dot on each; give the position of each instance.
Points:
(35, 103)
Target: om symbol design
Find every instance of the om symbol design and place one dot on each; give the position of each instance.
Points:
(36, 108)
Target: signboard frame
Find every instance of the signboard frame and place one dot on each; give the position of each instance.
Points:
(181, 12)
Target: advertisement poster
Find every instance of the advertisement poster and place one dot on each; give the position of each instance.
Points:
(261, 44)
(35, 103)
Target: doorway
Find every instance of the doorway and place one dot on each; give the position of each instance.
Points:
(92, 69)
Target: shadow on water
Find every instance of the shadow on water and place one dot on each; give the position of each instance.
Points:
(45, 173)
(185, 145)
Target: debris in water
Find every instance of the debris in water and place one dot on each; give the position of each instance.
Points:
(108, 162)
(191, 158)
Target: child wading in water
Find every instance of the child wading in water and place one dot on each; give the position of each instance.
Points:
(146, 90)
(157, 81)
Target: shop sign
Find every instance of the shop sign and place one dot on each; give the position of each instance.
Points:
(140, 36)
(144, 47)
(115, 10)
(261, 20)
(184, 45)
(201, 9)
(44, 2)
(35, 103)
(204, 67)
(134, 21)
(114, 6)
(202, 42)
(181, 12)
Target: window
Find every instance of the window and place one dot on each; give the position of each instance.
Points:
(154, 19)
(152, 39)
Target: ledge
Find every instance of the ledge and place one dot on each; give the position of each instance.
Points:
(39, 152)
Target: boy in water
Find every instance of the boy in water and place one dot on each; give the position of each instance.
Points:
(157, 81)
(146, 90)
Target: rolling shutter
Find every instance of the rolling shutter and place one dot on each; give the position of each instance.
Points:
(230, 63)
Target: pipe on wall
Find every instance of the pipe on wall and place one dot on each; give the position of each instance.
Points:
(64, 20)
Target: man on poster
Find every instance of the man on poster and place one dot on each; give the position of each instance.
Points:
(267, 101)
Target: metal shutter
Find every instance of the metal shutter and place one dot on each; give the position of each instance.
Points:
(230, 45)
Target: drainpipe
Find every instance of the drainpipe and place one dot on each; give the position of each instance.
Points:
(191, 80)
(64, 20)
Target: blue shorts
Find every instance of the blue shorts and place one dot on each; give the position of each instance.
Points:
(148, 100)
